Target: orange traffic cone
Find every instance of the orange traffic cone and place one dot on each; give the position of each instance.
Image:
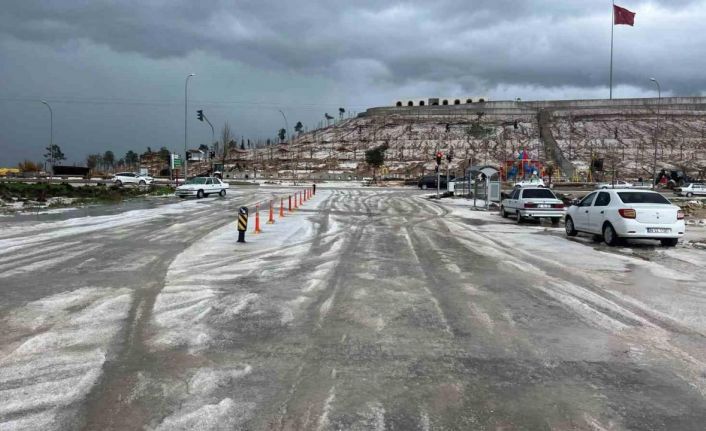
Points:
(290, 203)
(295, 203)
(272, 214)
(281, 207)
(257, 218)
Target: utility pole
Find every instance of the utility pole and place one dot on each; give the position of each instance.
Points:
(186, 103)
(51, 135)
(654, 136)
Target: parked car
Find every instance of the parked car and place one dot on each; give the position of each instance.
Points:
(624, 213)
(429, 182)
(617, 185)
(692, 189)
(641, 185)
(533, 203)
(202, 187)
(131, 178)
(530, 182)
(456, 181)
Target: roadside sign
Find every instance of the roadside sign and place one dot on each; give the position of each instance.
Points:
(176, 161)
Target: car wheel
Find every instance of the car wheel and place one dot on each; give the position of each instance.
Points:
(143, 183)
(424, 186)
(199, 194)
(222, 193)
(518, 217)
(503, 213)
(688, 195)
(669, 242)
(609, 236)
(118, 183)
(569, 227)
(604, 187)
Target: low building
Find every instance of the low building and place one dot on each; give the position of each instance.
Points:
(443, 101)
(196, 155)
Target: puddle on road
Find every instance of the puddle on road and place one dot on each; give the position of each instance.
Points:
(475, 222)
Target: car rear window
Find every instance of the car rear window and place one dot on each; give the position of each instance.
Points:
(642, 198)
(537, 194)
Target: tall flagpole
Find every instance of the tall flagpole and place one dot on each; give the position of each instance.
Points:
(612, 27)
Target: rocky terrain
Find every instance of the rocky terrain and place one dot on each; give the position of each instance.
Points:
(622, 133)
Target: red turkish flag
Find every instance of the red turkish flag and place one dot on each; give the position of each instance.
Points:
(623, 16)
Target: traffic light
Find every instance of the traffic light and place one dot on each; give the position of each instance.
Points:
(439, 155)
(199, 114)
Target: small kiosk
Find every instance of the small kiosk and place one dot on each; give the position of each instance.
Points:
(483, 181)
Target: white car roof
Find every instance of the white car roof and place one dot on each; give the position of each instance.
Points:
(627, 190)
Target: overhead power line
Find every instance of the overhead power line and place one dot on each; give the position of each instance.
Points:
(148, 102)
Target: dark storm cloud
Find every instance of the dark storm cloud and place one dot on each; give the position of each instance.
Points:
(311, 57)
(488, 43)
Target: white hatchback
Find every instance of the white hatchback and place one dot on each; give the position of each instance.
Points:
(624, 213)
(131, 178)
(202, 187)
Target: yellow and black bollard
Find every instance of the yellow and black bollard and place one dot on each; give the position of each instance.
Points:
(242, 223)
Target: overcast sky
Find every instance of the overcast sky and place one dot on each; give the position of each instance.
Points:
(114, 70)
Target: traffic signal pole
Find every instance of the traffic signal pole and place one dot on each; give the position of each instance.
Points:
(449, 157)
(439, 155)
(186, 138)
(438, 180)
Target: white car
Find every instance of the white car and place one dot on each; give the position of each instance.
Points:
(131, 178)
(530, 182)
(625, 213)
(202, 187)
(693, 189)
(617, 185)
(533, 203)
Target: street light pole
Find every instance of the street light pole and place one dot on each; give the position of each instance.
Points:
(186, 103)
(51, 134)
(654, 160)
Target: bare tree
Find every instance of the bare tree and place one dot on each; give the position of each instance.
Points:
(226, 137)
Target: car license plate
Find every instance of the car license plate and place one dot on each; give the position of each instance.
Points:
(658, 230)
(544, 206)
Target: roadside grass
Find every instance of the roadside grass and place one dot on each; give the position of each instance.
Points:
(42, 195)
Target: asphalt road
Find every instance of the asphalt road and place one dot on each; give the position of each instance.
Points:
(363, 310)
